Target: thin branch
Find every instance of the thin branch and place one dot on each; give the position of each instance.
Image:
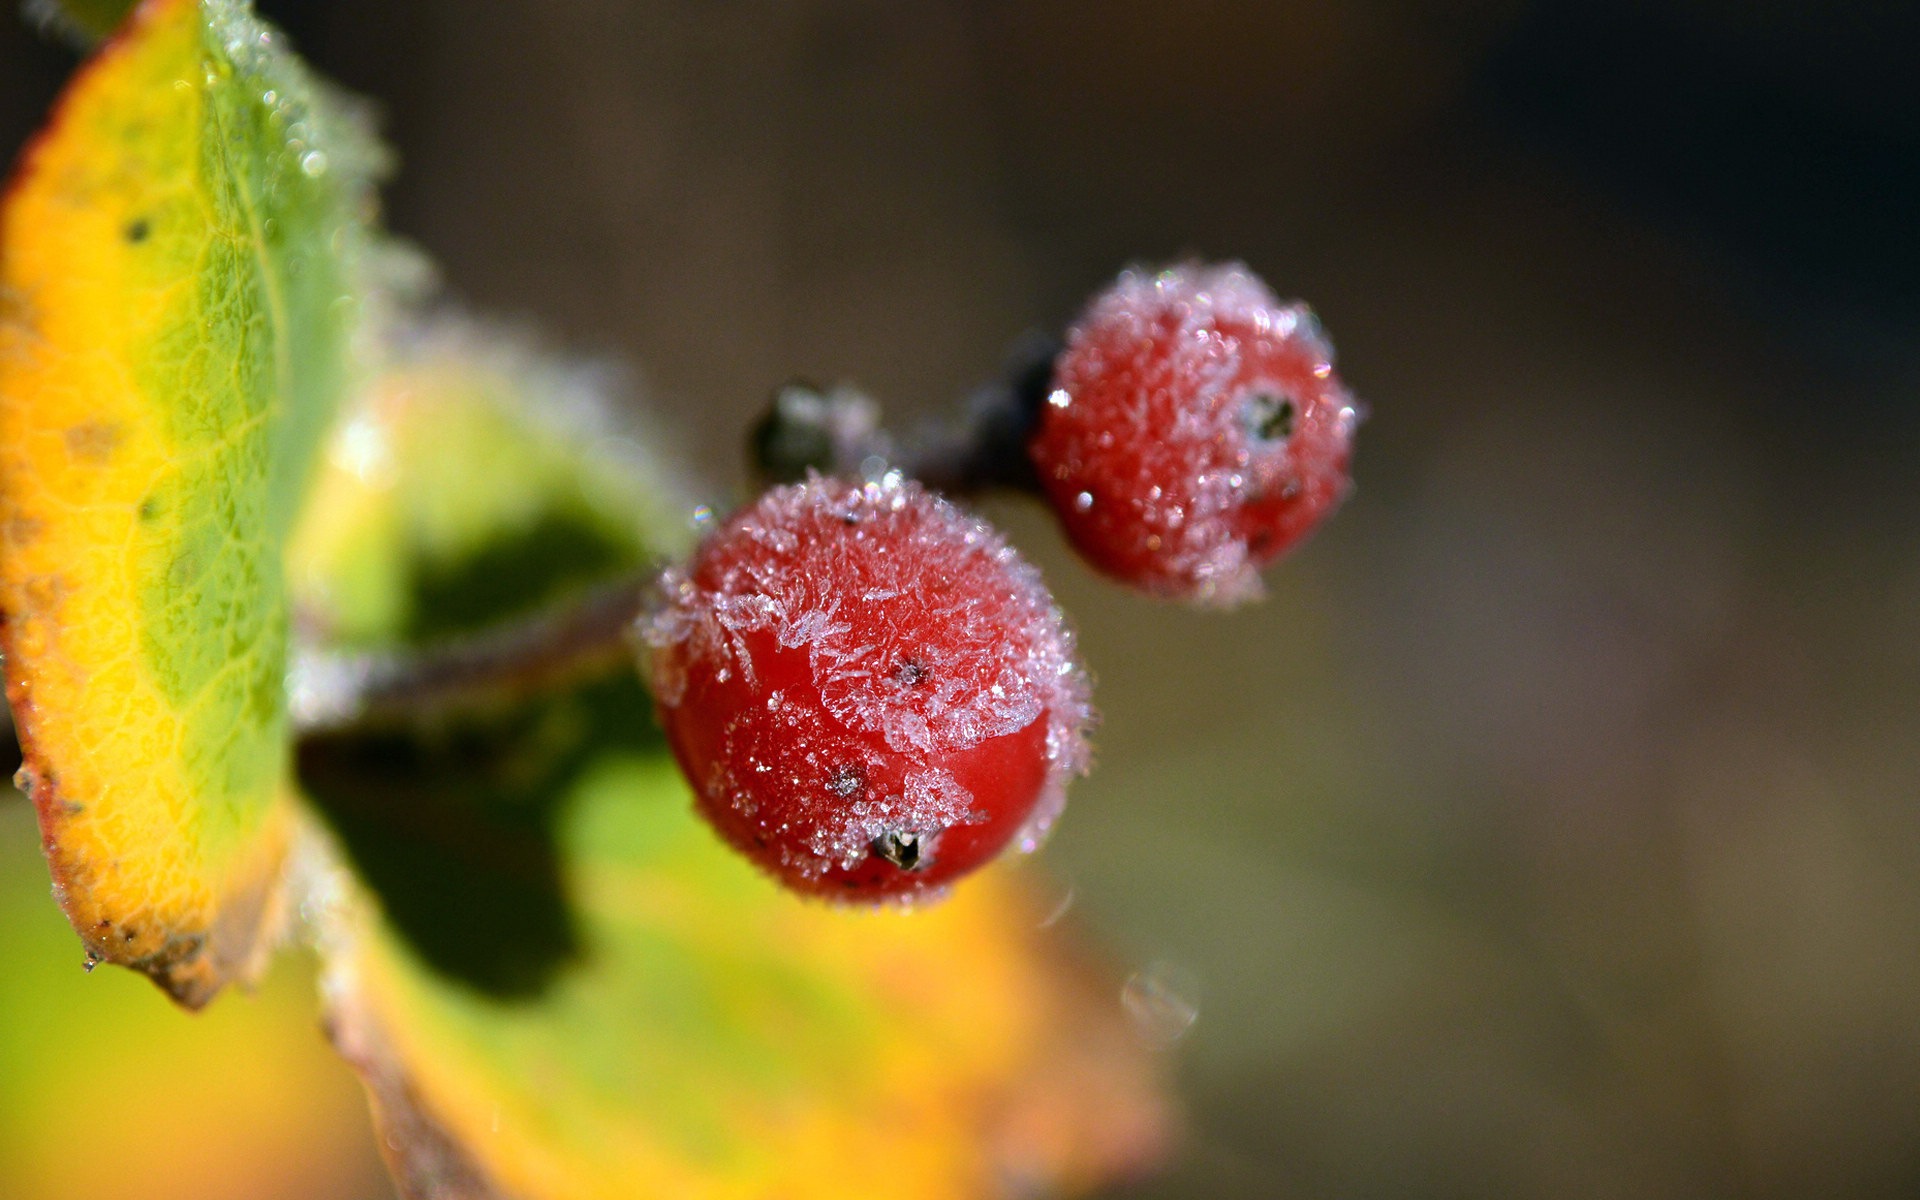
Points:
(837, 432)
(335, 692)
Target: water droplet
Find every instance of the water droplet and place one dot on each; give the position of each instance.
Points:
(362, 449)
(1160, 1001)
(1060, 909)
(1060, 398)
(314, 163)
(1083, 502)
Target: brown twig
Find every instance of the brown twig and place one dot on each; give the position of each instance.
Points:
(334, 692)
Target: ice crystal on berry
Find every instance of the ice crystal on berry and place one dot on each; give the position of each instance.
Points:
(869, 690)
(1194, 432)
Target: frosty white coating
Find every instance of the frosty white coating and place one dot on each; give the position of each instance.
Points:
(1197, 349)
(920, 626)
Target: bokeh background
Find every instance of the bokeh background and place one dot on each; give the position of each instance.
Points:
(1553, 829)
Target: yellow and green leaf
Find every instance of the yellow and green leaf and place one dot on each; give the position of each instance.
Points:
(705, 1034)
(177, 257)
(559, 985)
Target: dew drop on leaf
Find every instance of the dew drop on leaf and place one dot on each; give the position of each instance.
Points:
(1161, 1001)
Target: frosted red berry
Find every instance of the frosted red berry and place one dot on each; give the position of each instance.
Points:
(869, 691)
(1194, 431)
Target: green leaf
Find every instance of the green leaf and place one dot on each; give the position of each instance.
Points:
(178, 259)
(478, 479)
(557, 982)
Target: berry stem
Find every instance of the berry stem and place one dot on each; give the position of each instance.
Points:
(836, 432)
(338, 692)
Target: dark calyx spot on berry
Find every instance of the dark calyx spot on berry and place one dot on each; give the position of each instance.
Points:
(138, 230)
(848, 782)
(1270, 415)
(903, 849)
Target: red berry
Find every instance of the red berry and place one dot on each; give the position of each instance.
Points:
(869, 691)
(1194, 432)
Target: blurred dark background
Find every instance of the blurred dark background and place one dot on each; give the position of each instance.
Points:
(1553, 829)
